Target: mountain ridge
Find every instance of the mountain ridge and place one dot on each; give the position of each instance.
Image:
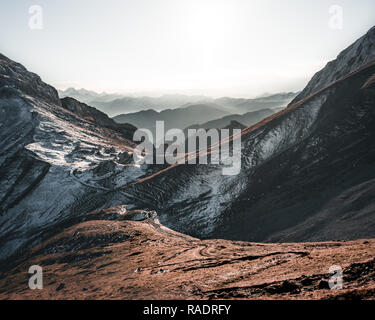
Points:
(263, 142)
(49, 155)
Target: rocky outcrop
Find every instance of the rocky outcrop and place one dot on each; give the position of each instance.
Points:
(358, 54)
(14, 75)
(93, 115)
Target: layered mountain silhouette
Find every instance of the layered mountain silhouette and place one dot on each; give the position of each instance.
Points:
(266, 101)
(173, 118)
(117, 104)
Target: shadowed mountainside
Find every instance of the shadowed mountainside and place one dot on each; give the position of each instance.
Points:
(307, 172)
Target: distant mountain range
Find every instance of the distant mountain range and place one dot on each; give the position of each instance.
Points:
(117, 104)
(173, 118)
(217, 114)
(237, 105)
(87, 96)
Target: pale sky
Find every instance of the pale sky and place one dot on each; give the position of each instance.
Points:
(239, 48)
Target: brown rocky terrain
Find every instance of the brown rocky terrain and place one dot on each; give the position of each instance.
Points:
(108, 256)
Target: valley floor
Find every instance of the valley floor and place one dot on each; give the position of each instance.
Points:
(110, 257)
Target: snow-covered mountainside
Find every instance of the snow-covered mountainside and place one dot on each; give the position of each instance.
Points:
(57, 158)
(307, 172)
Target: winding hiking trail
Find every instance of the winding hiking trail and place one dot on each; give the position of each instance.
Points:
(121, 259)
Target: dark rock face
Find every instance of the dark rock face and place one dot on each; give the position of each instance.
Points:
(359, 53)
(323, 186)
(125, 158)
(104, 167)
(14, 75)
(91, 114)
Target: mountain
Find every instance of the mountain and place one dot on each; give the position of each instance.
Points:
(135, 104)
(235, 125)
(307, 172)
(128, 105)
(88, 96)
(117, 104)
(210, 115)
(173, 118)
(356, 55)
(278, 100)
(101, 226)
(246, 119)
(58, 158)
(101, 119)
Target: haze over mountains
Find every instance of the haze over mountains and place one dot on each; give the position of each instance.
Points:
(173, 118)
(116, 104)
(307, 171)
(181, 111)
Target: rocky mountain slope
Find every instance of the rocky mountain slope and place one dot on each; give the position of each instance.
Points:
(109, 256)
(99, 118)
(57, 158)
(353, 57)
(307, 171)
